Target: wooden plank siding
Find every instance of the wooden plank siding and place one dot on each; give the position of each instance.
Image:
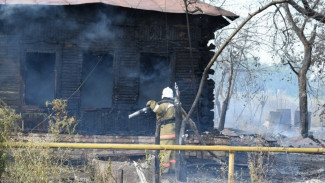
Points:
(71, 62)
(138, 33)
(10, 72)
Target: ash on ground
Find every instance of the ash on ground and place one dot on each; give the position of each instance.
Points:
(258, 166)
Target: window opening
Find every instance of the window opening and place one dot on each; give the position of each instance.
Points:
(97, 75)
(40, 78)
(154, 77)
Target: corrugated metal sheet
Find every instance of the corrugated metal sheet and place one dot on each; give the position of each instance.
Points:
(169, 6)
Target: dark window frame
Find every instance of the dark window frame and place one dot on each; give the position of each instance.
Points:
(23, 72)
(100, 53)
(171, 71)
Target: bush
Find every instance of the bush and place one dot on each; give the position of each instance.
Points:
(8, 121)
(38, 164)
(59, 122)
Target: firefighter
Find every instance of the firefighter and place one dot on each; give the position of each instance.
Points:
(165, 114)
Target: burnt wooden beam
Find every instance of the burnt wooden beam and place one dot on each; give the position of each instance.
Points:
(157, 161)
(181, 167)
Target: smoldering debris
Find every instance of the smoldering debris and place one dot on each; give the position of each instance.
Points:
(242, 138)
(299, 141)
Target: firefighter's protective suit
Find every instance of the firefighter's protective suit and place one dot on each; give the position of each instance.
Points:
(165, 114)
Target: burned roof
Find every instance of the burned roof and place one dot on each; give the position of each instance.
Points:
(168, 6)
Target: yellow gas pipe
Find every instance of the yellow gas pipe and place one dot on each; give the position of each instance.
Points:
(231, 167)
(230, 149)
(164, 147)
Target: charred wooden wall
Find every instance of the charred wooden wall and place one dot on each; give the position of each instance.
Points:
(132, 34)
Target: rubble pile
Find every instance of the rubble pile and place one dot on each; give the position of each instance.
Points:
(242, 138)
(299, 141)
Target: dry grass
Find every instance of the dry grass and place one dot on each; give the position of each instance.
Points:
(259, 163)
(37, 164)
(8, 120)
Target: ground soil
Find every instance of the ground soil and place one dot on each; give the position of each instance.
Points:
(275, 167)
(269, 167)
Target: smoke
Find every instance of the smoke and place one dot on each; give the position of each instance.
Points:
(99, 29)
(248, 116)
(97, 75)
(40, 28)
(58, 24)
(42, 73)
(245, 110)
(84, 32)
(154, 77)
(102, 27)
(23, 22)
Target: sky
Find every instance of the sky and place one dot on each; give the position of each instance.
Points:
(240, 7)
(243, 8)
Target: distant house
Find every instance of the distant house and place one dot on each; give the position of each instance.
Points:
(107, 57)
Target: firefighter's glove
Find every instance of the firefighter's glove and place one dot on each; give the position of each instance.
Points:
(152, 104)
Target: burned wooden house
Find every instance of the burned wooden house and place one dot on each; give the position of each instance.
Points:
(106, 57)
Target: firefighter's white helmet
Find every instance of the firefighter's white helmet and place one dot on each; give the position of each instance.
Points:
(167, 92)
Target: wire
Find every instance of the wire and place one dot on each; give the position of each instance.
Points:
(84, 81)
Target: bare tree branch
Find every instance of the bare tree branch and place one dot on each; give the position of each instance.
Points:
(284, 32)
(306, 5)
(306, 10)
(222, 47)
(316, 3)
(304, 24)
(313, 35)
(292, 68)
(297, 30)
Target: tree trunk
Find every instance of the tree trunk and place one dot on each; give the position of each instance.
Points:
(302, 78)
(226, 100)
(303, 100)
(303, 105)
(219, 92)
(262, 109)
